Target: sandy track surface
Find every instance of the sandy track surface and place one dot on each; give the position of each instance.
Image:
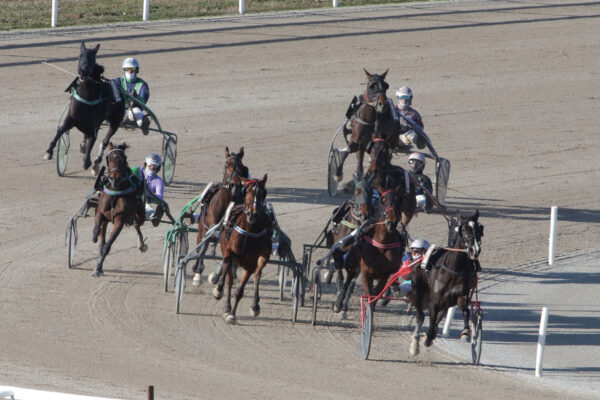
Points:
(508, 92)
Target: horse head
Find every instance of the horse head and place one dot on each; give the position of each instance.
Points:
(380, 154)
(116, 161)
(254, 197)
(375, 93)
(469, 232)
(362, 208)
(234, 168)
(391, 204)
(87, 67)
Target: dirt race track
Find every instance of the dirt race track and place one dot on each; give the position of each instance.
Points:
(508, 92)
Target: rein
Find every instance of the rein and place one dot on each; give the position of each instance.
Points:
(382, 245)
(250, 234)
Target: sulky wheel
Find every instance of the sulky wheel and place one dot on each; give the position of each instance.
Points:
(71, 240)
(179, 285)
(332, 184)
(476, 336)
(282, 271)
(62, 150)
(441, 179)
(168, 258)
(169, 156)
(366, 332)
(295, 296)
(316, 293)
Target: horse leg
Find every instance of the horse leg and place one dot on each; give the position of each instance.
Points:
(226, 267)
(199, 266)
(465, 335)
(141, 245)
(117, 227)
(360, 156)
(434, 312)
(103, 145)
(87, 159)
(341, 292)
(67, 124)
(255, 309)
(416, 336)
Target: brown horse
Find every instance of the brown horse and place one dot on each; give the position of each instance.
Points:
(383, 175)
(119, 203)
(92, 102)
(453, 272)
(373, 115)
(216, 200)
(378, 253)
(246, 242)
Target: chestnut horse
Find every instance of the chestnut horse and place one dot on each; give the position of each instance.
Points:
(378, 252)
(246, 242)
(373, 116)
(91, 103)
(452, 275)
(217, 199)
(119, 203)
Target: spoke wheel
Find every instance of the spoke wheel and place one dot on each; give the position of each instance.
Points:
(442, 178)
(295, 296)
(169, 156)
(168, 258)
(316, 293)
(332, 184)
(366, 333)
(282, 280)
(71, 240)
(62, 149)
(477, 336)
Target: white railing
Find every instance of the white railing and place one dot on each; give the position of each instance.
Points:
(146, 10)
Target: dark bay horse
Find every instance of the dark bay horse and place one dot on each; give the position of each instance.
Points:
(246, 242)
(378, 252)
(452, 277)
(92, 102)
(119, 203)
(373, 116)
(217, 199)
(383, 175)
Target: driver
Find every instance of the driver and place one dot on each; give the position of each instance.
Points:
(416, 164)
(408, 136)
(155, 187)
(137, 88)
(417, 250)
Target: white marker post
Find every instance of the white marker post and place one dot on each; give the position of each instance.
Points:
(449, 317)
(541, 342)
(335, 3)
(552, 239)
(54, 13)
(146, 11)
(242, 6)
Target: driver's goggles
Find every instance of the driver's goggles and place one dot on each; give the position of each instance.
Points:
(153, 167)
(417, 252)
(130, 70)
(404, 97)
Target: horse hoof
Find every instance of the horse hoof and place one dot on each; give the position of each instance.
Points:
(217, 294)
(428, 342)
(143, 248)
(95, 169)
(197, 281)
(213, 278)
(344, 315)
(338, 178)
(97, 273)
(335, 308)
(229, 318)
(254, 312)
(47, 156)
(87, 164)
(465, 338)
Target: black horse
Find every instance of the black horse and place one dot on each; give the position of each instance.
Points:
(92, 102)
(448, 278)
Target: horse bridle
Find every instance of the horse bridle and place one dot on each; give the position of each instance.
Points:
(382, 88)
(237, 166)
(119, 168)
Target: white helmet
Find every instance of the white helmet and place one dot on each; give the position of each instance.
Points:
(404, 93)
(420, 244)
(419, 162)
(153, 159)
(131, 63)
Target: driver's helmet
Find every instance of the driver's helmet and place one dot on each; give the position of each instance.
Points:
(404, 96)
(152, 163)
(418, 248)
(416, 162)
(131, 67)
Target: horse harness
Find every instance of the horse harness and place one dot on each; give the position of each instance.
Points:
(133, 183)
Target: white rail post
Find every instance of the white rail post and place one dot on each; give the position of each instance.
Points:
(146, 12)
(449, 316)
(54, 13)
(335, 3)
(242, 7)
(541, 342)
(552, 239)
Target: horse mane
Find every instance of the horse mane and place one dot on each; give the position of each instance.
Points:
(97, 71)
